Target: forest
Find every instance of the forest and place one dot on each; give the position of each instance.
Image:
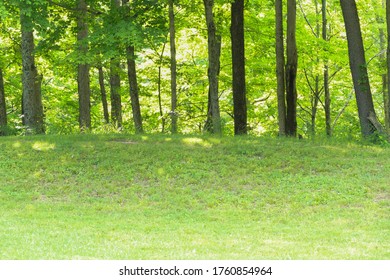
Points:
(296, 67)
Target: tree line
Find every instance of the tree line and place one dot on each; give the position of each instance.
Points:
(186, 66)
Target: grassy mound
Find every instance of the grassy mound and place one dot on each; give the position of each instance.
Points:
(162, 197)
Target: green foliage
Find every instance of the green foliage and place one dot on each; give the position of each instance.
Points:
(144, 24)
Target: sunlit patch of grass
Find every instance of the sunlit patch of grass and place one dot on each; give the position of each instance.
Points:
(195, 197)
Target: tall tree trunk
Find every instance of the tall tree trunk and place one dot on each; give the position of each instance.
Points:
(3, 109)
(115, 80)
(314, 105)
(134, 93)
(291, 70)
(280, 76)
(132, 76)
(172, 35)
(103, 94)
(238, 60)
(83, 80)
(160, 106)
(31, 80)
(328, 121)
(387, 91)
(358, 67)
(115, 84)
(316, 93)
(214, 65)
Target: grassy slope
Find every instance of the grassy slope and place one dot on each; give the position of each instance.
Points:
(155, 197)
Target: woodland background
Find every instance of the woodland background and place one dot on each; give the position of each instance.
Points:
(88, 60)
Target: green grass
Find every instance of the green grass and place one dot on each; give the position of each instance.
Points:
(162, 197)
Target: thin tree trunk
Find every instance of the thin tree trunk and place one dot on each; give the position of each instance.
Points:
(387, 91)
(316, 93)
(83, 80)
(160, 62)
(172, 35)
(115, 85)
(358, 67)
(328, 121)
(31, 80)
(132, 76)
(214, 64)
(314, 107)
(238, 60)
(103, 94)
(160, 100)
(280, 76)
(134, 93)
(291, 70)
(3, 108)
(115, 80)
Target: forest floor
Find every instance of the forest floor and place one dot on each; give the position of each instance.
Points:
(192, 197)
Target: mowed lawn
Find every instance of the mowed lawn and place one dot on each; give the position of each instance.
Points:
(192, 197)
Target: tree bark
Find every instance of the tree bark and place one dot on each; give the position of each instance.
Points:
(238, 61)
(214, 65)
(83, 79)
(132, 76)
(103, 94)
(172, 35)
(280, 75)
(358, 67)
(116, 102)
(3, 109)
(134, 93)
(31, 80)
(328, 121)
(291, 70)
(387, 91)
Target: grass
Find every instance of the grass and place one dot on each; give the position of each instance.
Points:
(192, 197)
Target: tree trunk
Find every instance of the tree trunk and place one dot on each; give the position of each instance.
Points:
(116, 102)
(103, 94)
(83, 80)
(31, 80)
(328, 121)
(115, 80)
(280, 76)
(387, 91)
(314, 104)
(172, 35)
(134, 95)
(3, 110)
(214, 65)
(358, 67)
(291, 70)
(238, 61)
(132, 76)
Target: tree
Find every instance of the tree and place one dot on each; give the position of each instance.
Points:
(291, 70)
(115, 80)
(31, 100)
(214, 42)
(280, 75)
(238, 63)
(358, 66)
(132, 76)
(387, 91)
(3, 109)
(103, 94)
(326, 72)
(172, 36)
(83, 80)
